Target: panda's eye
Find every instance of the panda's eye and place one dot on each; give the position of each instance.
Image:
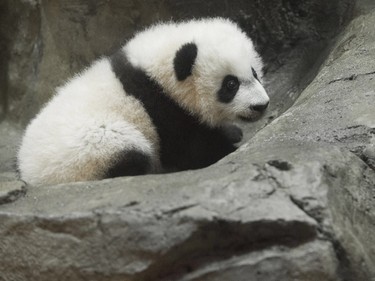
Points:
(255, 74)
(232, 84)
(229, 89)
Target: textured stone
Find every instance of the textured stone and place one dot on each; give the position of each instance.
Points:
(46, 42)
(10, 190)
(337, 109)
(163, 227)
(309, 262)
(10, 135)
(296, 202)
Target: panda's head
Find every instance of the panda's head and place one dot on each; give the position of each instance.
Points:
(225, 82)
(209, 67)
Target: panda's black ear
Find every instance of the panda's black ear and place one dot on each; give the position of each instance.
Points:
(184, 60)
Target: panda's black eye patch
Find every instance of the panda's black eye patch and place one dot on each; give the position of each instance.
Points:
(255, 74)
(229, 88)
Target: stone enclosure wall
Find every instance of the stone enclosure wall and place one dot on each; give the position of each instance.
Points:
(296, 201)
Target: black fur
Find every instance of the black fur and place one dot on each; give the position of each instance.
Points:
(185, 143)
(184, 61)
(130, 163)
(255, 74)
(232, 133)
(260, 107)
(229, 89)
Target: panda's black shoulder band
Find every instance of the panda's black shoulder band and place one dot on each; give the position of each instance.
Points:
(133, 79)
(119, 62)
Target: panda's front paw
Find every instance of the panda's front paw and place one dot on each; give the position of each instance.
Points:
(232, 133)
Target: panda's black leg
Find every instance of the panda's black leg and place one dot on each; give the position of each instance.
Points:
(130, 163)
(232, 133)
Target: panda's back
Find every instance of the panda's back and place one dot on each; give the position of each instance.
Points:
(89, 121)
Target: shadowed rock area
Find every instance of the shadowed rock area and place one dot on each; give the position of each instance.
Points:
(296, 201)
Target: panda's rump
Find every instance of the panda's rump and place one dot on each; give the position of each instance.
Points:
(115, 148)
(78, 150)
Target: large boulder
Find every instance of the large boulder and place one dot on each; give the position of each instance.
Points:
(294, 202)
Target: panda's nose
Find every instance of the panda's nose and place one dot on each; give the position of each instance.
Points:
(259, 107)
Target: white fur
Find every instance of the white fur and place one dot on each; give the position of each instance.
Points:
(250, 93)
(90, 120)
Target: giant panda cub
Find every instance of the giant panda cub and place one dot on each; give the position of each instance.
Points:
(160, 103)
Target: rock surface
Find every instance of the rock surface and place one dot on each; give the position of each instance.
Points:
(44, 43)
(296, 202)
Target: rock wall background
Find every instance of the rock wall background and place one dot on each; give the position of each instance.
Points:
(295, 202)
(43, 43)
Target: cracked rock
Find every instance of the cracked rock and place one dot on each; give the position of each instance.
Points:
(11, 190)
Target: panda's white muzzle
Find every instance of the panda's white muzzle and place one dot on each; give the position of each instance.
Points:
(251, 101)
